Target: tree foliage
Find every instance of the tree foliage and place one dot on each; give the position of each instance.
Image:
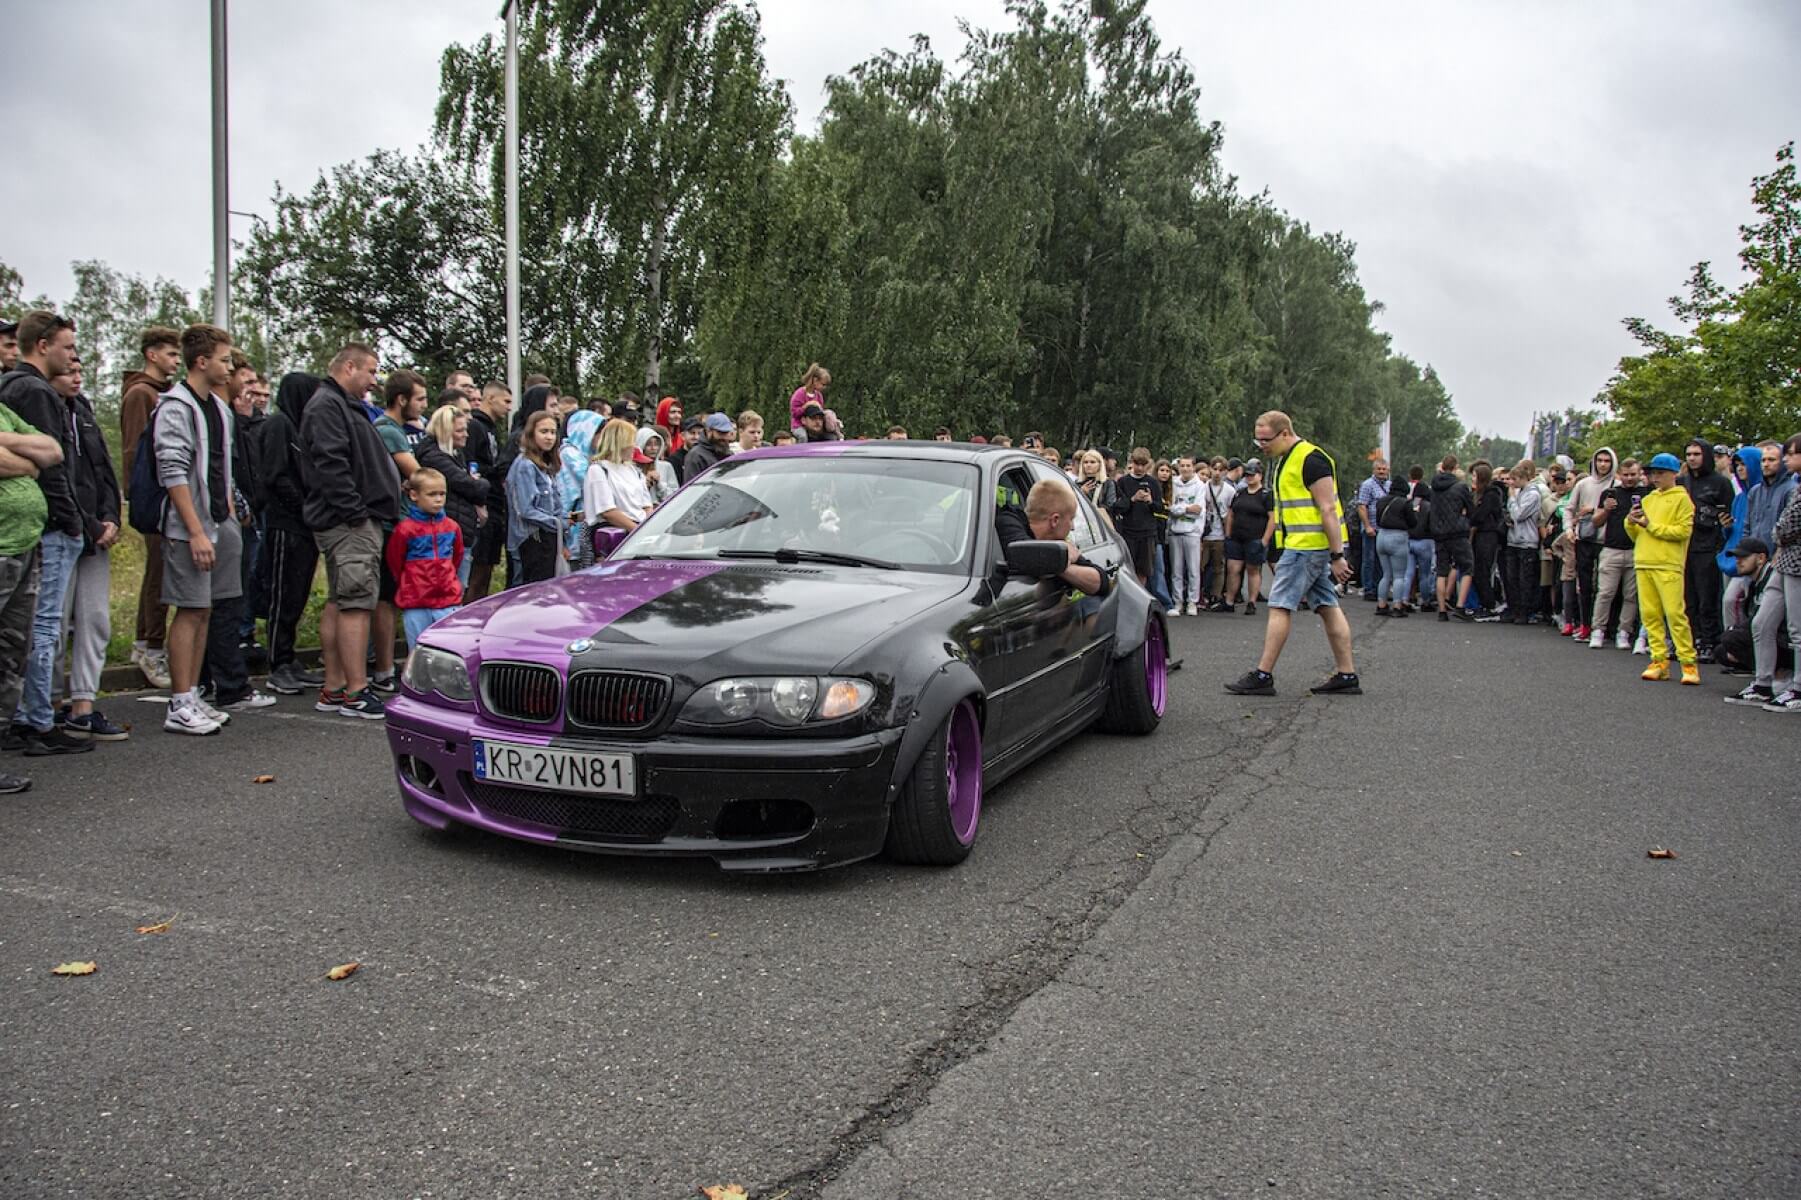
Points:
(1733, 372)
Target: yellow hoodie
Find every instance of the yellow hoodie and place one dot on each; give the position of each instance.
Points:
(1662, 543)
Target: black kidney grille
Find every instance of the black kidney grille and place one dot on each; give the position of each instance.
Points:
(611, 818)
(616, 699)
(520, 691)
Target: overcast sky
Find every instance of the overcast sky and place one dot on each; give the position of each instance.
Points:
(1517, 176)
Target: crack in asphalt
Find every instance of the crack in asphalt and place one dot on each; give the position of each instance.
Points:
(1249, 769)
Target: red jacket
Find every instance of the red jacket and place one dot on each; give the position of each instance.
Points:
(423, 554)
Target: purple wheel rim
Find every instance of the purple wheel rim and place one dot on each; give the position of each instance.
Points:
(963, 772)
(1156, 666)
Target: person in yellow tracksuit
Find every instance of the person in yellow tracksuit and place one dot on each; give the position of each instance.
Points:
(1659, 526)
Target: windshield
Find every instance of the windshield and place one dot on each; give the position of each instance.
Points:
(913, 513)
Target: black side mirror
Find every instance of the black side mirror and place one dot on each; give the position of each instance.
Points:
(1038, 560)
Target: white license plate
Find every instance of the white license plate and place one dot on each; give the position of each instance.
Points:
(557, 770)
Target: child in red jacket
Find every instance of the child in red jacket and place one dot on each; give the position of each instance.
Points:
(423, 553)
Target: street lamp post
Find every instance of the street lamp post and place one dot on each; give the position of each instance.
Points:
(221, 178)
(512, 193)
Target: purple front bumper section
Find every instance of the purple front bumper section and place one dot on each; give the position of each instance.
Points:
(757, 804)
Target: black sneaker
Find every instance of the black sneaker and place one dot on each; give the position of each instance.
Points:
(14, 738)
(1443, 615)
(1338, 684)
(12, 785)
(55, 741)
(365, 704)
(1253, 683)
(1756, 696)
(95, 727)
(1250, 610)
(1464, 614)
(287, 680)
(1487, 616)
(1704, 654)
(1397, 612)
(386, 684)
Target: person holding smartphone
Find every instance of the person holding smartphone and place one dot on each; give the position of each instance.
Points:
(1660, 525)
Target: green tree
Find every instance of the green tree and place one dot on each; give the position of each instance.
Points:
(1734, 372)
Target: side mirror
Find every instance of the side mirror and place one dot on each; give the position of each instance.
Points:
(1037, 560)
(606, 540)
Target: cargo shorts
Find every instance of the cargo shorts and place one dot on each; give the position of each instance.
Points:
(352, 555)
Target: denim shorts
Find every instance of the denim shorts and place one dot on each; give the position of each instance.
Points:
(1304, 575)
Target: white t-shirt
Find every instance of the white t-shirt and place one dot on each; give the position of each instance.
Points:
(614, 485)
(1219, 494)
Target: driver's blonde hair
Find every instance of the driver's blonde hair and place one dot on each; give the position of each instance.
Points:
(1049, 497)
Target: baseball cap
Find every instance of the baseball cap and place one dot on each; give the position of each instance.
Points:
(1567, 463)
(1253, 467)
(720, 423)
(639, 457)
(695, 421)
(1232, 464)
(1719, 448)
(1748, 546)
(9, 327)
(813, 408)
(1664, 462)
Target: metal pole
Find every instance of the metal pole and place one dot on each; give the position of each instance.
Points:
(221, 178)
(512, 196)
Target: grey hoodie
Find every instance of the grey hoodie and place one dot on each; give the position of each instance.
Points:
(181, 455)
(666, 481)
(1522, 516)
(1587, 493)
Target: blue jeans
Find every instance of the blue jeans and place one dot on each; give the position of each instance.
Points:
(1391, 548)
(1372, 563)
(1304, 575)
(1422, 562)
(60, 553)
(1158, 587)
(418, 620)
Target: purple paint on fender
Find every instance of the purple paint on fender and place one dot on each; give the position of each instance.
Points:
(543, 618)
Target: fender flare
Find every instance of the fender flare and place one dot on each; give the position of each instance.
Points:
(1129, 620)
(949, 685)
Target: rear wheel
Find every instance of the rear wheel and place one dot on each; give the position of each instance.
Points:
(936, 816)
(1138, 688)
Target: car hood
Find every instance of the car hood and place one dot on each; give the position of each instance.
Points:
(702, 619)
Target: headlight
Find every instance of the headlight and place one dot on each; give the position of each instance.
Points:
(777, 700)
(430, 670)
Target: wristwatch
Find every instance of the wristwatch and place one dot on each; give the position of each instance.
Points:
(1337, 556)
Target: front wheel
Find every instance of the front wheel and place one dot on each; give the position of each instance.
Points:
(1138, 688)
(935, 818)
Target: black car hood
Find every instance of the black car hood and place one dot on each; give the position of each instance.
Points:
(699, 618)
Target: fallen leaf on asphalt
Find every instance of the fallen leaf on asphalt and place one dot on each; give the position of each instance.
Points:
(1660, 852)
(729, 1191)
(342, 972)
(263, 779)
(75, 968)
(159, 927)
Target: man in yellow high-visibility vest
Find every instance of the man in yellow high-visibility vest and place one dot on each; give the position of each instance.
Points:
(1310, 532)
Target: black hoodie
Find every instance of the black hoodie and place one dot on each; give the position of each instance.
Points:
(1712, 494)
(25, 390)
(281, 494)
(91, 473)
(1452, 507)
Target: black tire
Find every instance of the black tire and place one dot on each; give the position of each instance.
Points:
(1133, 706)
(930, 824)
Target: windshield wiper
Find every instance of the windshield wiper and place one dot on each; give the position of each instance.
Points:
(789, 554)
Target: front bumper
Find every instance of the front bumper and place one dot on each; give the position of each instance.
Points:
(755, 804)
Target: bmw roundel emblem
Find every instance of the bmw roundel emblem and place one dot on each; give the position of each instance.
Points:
(580, 646)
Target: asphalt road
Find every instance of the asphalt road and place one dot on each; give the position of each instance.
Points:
(1402, 944)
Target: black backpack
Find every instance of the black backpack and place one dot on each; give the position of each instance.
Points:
(149, 500)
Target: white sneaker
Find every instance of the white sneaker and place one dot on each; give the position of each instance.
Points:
(152, 664)
(1786, 702)
(1622, 641)
(1597, 639)
(255, 699)
(189, 719)
(215, 715)
(1174, 612)
(1642, 645)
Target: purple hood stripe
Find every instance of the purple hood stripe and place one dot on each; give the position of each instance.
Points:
(548, 616)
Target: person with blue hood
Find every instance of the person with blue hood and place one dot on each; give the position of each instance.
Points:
(575, 452)
(1767, 487)
(289, 550)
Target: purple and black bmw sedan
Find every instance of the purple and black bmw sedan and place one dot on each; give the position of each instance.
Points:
(807, 656)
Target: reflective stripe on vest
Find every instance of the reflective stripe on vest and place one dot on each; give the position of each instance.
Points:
(1299, 523)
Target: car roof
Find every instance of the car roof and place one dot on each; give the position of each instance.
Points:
(963, 452)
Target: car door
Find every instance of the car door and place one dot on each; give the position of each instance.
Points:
(1092, 626)
(1019, 639)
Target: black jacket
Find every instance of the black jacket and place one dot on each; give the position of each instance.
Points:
(701, 456)
(348, 473)
(1712, 494)
(280, 495)
(25, 390)
(463, 491)
(484, 451)
(1452, 506)
(91, 474)
(1137, 504)
(1395, 511)
(1491, 510)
